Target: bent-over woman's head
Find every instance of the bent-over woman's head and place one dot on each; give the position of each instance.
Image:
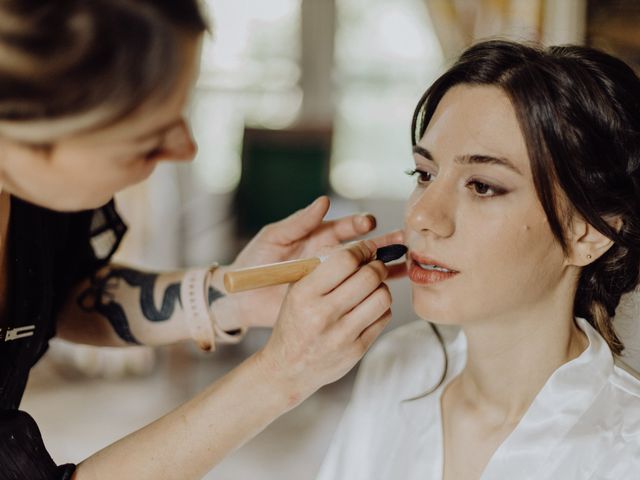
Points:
(528, 194)
(89, 88)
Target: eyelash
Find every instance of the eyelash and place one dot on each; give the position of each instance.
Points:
(420, 173)
(421, 181)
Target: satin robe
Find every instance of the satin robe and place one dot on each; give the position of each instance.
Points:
(584, 424)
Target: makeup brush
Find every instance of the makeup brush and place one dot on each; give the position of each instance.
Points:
(291, 271)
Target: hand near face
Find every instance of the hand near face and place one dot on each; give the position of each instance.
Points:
(328, 320)
(303, 234)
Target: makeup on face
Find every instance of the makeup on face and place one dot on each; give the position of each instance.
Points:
(426, 270)
(291, 271)
(470, 258)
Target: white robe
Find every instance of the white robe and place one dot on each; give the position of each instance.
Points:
(583, 425)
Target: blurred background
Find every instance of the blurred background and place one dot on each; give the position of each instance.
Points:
(296, 98)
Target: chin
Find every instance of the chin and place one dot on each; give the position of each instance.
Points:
(72, 199)
(434, 309)
(88, 204)
(64, 203)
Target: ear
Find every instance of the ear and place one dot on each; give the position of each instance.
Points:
(586, 244)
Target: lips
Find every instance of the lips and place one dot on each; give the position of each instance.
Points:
(426, 271)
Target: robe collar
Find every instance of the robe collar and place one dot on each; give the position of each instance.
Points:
(565, 397)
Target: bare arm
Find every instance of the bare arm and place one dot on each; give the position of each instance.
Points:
(121, 305)
(192, 439)
(327, 321)
(324, 325)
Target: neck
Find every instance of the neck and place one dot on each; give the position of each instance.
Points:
(509, 360)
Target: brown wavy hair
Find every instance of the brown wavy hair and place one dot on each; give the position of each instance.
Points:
(85, 64)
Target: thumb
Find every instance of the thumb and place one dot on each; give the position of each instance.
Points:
(301, 223)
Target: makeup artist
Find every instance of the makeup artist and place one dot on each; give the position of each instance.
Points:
(91, 99)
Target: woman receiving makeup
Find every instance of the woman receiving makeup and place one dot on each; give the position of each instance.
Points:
(523, 233)
(93, 95)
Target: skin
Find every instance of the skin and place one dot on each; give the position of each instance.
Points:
(323, 324)
(513, 295)
(85, 169)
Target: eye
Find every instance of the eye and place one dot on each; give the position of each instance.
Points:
(423, 177)
(485, 190)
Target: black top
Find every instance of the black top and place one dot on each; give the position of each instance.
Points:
(48, 253)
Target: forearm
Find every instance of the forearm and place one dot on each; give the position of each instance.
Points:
(317, 339)
(121, 305)
(192, 439)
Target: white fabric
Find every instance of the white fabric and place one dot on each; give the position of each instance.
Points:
(628, 327)
(583, 425)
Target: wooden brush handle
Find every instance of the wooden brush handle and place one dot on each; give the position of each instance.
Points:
(267, 275)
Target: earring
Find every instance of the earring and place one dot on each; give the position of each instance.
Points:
(588, 257)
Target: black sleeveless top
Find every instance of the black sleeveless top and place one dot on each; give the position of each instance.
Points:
(48, 253)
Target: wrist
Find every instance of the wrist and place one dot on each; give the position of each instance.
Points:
(225, 307)
(195, 305)
(291, 391)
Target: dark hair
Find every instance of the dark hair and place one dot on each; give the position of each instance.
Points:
(579, 112)
(87, 62)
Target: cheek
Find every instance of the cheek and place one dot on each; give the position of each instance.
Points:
(519, 270)
(506, 261)
(516, 251)
(92, 180)
(529, 241)
(103, 171)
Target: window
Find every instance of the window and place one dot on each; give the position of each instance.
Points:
(249, 75)
(386, 55)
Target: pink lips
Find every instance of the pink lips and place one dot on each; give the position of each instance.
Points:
(419, 275)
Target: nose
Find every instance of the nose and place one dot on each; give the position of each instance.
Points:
(431, 209)
(178, 144)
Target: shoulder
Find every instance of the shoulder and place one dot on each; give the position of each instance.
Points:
(626, 383)
(408, 357)
(623, 400)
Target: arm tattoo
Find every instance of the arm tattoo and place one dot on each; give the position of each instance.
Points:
(100, 297)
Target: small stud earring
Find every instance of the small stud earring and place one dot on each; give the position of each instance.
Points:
(588, 257)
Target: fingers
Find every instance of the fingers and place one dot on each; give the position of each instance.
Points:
(299, 224)
(348, 228)
(338, 267)
(358, 287)
(329, 318)
(367, 312)
(373, 331)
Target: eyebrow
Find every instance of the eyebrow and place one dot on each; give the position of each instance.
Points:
(469, 159)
